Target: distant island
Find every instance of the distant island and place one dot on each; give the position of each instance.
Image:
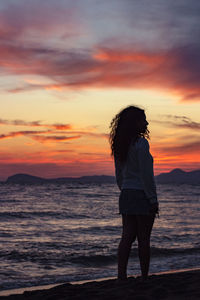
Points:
(176, 176)
(29, 179)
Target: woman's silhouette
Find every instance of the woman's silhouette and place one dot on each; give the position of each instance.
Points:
(134, 175)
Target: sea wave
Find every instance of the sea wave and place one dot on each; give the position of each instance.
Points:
(30, 214)
(93, 260)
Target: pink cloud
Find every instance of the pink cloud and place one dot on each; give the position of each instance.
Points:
(174, 71)
(36, 19)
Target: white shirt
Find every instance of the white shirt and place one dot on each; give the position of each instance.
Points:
(137, 171)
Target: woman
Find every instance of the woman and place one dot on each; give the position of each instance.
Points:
(134, 175)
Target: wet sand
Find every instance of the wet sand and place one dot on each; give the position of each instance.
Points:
(170, 285)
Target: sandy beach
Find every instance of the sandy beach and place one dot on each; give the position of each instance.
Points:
(170, 285)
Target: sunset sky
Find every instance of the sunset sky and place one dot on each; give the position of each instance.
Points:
(67, 67)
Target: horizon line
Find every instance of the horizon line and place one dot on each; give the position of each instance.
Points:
(74, 177)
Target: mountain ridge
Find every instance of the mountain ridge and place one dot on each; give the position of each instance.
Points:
(30, 179)
(176, 176)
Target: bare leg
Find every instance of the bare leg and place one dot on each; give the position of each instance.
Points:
(144, 227)
(128, 236)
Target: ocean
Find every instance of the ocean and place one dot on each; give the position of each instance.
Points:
(57, 233)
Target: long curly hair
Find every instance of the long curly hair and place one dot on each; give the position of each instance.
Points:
(124, 130)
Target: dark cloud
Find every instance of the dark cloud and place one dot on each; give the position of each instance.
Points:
(183, 149)
(54, 138)
(20, 59)
(59, 126)
(185, 122)
(178, 121)
(165, 24)
(20, 123)
(36, 135)
(22, 19)
(22, 133)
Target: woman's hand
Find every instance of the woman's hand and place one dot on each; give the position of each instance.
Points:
(154, 209)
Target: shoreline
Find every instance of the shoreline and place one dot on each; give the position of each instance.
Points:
(98, 284)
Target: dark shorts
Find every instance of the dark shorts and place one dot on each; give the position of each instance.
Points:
(133, 202)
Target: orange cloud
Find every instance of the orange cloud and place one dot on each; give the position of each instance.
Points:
(188, 149)
(20, 133)
(181, 153)
(128, 56)
(172, 70)
(36, 135)
(175, 70)
(55, 129)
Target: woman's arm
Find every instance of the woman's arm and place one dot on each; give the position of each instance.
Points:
(146, 171)
(118, 173)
